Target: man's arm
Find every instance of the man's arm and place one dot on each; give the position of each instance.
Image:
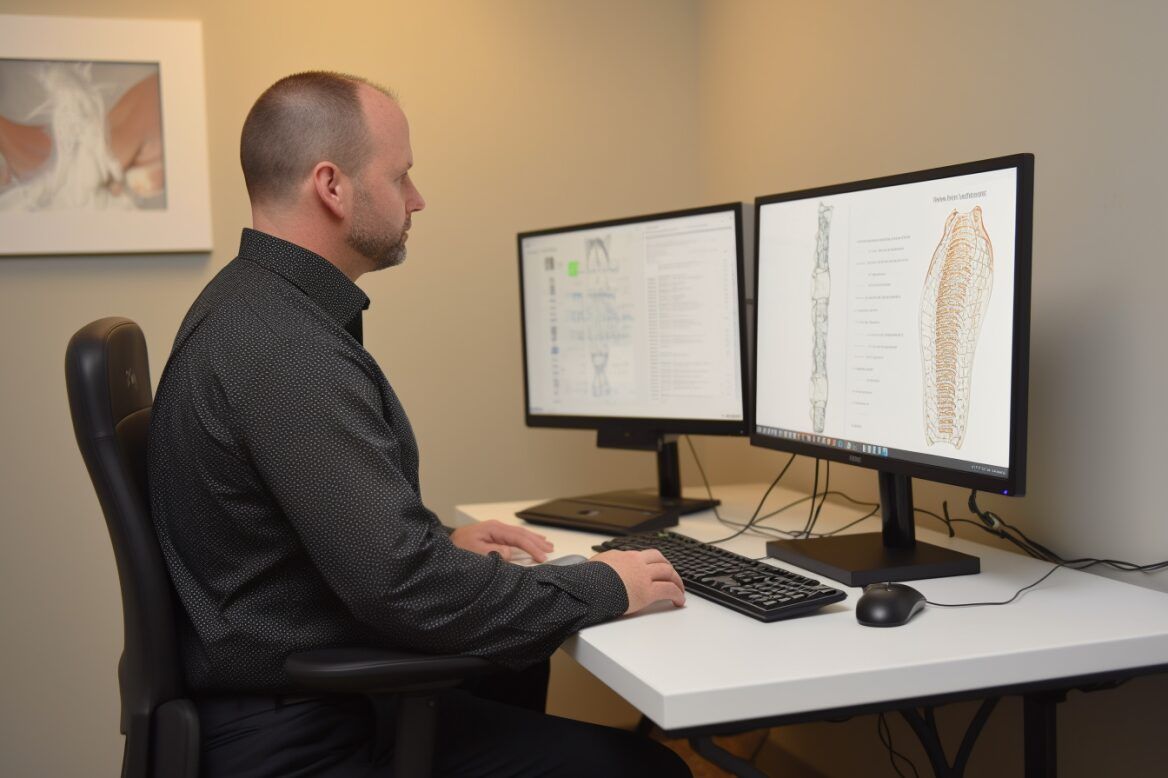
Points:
(318, 436)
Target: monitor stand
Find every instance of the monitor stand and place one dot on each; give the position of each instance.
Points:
(668, 498)
(864, 558)
(629, 511)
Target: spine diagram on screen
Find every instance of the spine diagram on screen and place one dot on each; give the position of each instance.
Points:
(820, 295)
(604, 324)
(957, 291)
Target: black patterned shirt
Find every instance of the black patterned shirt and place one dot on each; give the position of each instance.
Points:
(284, 490)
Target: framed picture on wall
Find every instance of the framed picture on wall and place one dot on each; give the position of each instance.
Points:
(103, 136)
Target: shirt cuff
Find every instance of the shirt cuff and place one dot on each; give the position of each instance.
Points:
(595, 584)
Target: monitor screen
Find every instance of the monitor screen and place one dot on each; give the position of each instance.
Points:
(636, 322)
(892, 322)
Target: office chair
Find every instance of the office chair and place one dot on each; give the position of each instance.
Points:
(107, 375)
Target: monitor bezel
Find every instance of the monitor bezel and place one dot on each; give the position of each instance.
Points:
(1014, 483)
(739, 427)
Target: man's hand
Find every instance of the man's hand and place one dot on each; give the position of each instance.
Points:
(647, 575)
(492, 535)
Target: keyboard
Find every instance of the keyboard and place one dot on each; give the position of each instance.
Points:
(758, 590)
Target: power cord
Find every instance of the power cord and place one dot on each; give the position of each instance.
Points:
(988, 521)
(754, 524)
(885, 735)
(1017, 594)
(710, 493)
(801, 500)
(873, 506)
(995, 525)
(814, 515)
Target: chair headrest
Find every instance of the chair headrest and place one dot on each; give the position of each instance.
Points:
(108, 373)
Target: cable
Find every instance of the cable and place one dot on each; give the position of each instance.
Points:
(946, 520)
(813, 516)
(755, 523)
(988, 521)
(702, 471)
(754, 517)
(787, 533)
(804, 499)
(995, 525)
(849, 525)
(885, 735)
(875, 508)
(1017, 594)
(826, 487)
(706, 481)
(814, 493)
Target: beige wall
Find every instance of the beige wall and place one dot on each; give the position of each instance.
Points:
(803, 94)
(528, 114)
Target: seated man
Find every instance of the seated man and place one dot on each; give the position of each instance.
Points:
(284, 486)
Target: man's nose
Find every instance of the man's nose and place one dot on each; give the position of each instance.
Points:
(417, 202)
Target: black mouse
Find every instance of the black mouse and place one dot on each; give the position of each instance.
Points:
(888, 605)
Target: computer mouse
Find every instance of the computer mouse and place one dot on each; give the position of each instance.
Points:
(569, 559)
(888, 605)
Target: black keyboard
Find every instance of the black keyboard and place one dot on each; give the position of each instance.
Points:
(746, 585)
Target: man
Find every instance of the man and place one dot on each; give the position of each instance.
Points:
(284, 485)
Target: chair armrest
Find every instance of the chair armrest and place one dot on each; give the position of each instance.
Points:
(380, 670)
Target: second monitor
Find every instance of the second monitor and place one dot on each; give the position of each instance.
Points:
(893, 333)
(635, 328)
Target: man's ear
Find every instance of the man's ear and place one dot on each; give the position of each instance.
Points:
(332, 188)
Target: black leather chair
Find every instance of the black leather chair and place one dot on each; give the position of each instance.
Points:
(107, 374)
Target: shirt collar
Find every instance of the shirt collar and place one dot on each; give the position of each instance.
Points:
(311, 273)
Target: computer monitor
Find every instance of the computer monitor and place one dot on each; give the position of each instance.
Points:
(635, 327)
(892, 333)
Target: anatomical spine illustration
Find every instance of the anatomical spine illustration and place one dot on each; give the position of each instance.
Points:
(957, 292)
(820, 295)
(603, 319)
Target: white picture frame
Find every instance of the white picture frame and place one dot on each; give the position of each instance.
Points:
(37, 220)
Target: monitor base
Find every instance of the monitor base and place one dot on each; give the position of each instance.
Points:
(615, 513)
(862, 559)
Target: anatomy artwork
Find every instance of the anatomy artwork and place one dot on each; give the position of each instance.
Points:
(80, 135)
(820, 296)
(103, 136)
(956, 294)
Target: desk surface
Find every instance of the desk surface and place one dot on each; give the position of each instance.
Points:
(704, 664)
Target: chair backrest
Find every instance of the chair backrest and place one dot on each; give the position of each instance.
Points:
(107, 374)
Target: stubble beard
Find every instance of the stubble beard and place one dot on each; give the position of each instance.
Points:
(370, 237)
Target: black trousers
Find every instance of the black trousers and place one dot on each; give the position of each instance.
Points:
(491, 727)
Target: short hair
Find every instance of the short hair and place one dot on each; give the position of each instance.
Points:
(299, 121)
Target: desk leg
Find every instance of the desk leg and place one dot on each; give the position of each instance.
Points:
(1040, 728)
(925, 727)
(735, 765)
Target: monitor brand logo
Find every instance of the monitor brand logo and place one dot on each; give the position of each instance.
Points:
(854, 458)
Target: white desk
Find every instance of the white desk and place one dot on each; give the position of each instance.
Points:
(706, 669)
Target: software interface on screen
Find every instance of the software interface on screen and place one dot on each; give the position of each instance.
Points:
(634, 320)
(885, 321)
